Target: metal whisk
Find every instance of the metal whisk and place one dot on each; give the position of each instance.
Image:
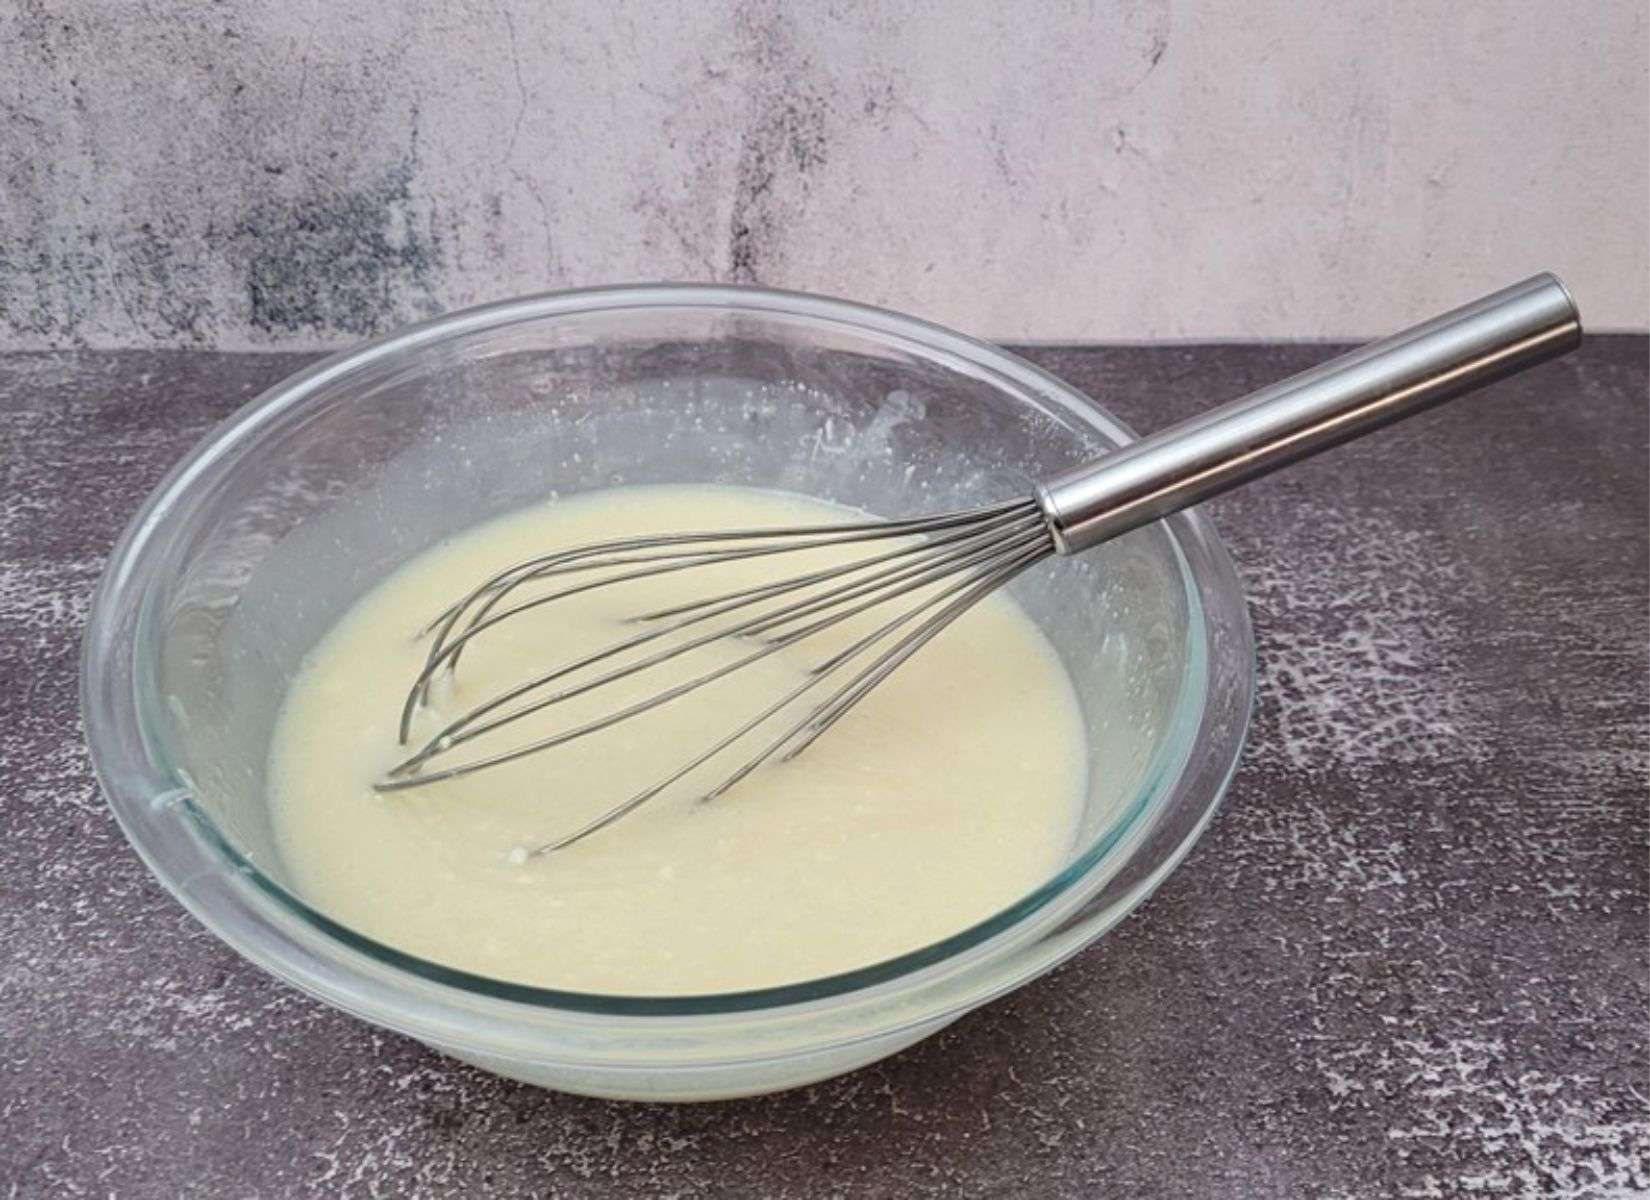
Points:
(916, 577)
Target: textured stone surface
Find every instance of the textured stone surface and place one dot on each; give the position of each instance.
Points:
(248, 174)
(1409, 958)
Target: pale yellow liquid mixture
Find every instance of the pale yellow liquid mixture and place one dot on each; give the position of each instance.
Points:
(950, 792)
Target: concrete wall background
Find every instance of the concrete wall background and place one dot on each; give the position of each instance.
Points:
(178, 173)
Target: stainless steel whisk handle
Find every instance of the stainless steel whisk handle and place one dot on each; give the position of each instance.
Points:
(1383, 382)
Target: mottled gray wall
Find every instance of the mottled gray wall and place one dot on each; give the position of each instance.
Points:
(307, 171)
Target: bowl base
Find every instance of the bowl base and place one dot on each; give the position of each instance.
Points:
(696, 1084)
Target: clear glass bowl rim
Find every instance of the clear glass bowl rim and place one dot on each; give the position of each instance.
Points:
(276, 930)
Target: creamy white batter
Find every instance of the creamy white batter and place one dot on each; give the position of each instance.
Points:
(947, 794)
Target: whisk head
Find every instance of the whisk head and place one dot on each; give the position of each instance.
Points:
(904, 580)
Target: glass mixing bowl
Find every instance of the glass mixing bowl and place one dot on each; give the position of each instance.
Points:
(296, 505)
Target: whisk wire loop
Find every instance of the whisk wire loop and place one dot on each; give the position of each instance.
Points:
(980, 548)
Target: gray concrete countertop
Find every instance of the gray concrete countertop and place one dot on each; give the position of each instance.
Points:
(1409, 957)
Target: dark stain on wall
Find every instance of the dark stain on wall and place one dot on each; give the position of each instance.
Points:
(343, 262)
(48, 285)
(785, 142)
(788, 140)
(163, 291)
